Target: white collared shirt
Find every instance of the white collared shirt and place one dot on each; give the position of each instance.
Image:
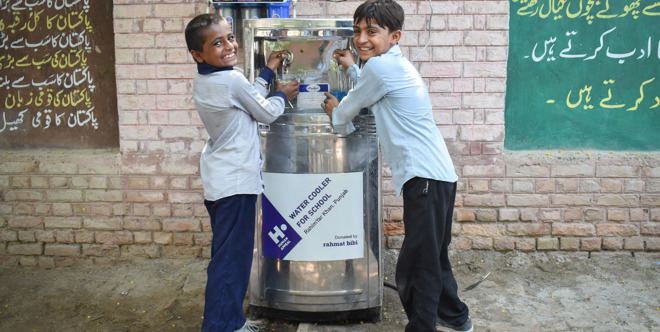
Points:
(230, 108)
(390, 86)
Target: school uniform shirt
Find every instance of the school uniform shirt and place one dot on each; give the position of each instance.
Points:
(230, 109)
(396, 94)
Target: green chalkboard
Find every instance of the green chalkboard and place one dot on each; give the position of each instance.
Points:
(583, 74)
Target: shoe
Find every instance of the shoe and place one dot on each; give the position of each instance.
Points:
(441, 325)
(248, 328)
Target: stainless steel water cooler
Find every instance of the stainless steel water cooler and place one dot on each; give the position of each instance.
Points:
(318, 249)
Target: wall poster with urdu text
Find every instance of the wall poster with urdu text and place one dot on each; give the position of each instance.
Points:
(57, 75)
(583, 74)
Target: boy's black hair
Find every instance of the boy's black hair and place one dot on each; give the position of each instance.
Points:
(196, 28)
(386, 13)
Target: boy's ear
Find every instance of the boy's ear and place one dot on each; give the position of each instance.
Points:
(197, 56)
(395, 37)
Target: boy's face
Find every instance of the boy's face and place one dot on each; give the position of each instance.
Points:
(219, 48)
(371, 40)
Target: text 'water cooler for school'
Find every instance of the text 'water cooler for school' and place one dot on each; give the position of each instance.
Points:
(318, 248)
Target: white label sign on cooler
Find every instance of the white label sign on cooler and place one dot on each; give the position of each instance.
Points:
(313, 217)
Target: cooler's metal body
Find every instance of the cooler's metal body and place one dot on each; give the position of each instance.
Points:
(322, 186)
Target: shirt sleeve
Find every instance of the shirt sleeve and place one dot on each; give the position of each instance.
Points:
(367, 91)
(353, 72)
(264, 78)
(250, 99)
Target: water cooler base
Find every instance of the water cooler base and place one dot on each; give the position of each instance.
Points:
(368, 315)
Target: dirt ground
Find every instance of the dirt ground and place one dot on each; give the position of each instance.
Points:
(523, 292)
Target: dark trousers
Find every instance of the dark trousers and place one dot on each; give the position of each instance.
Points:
(424, 278)
(232, 223)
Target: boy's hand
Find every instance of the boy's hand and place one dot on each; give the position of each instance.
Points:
(344, 57)
(290, 89)
(275, 60)
(329, 104)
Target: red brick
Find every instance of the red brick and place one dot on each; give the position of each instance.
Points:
(639, 215)
(394, 242)
(142, 237)
(63, 222)
(144, 251)
(100, 250)
(114, 238)
(104, 195)
(84, 236)
(650, 229)
(46, 262)
(571, 200)
(633, 244)
(527, 171)
(180, 252)
(618, 200)
(504, 244)
(573, 229)
(617, 215)
(535, 229)
(573, 215)
(591, 244)
(62, 250)
(24, 196)
(28, 261)
(180, 211)
(182, 238)
(25, 222)
(181, 226)
(481, 243)
(26, 236)
(162, 238)
(545, 243)
(613, 244)
(8, 236)
(141, 224)
(145, 196)
(483, 230)
(203, 239)
(526, 244)
(186, 197)
(65, 236)
(460, 243)
(653, 244)
(527, 200)
(390, 228)
(31, 249)
(484, 200)
(486, 215)
(625, 230)
(463, 215)
(569, 244)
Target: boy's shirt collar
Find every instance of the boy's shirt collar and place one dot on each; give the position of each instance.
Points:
(394, 49)
(205, 69)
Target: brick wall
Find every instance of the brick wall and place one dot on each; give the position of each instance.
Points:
(69, 207)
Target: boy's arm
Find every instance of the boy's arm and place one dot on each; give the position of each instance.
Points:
(261, 83)
(353, 72)
(250, 99)
(347, 60)
(367, 91)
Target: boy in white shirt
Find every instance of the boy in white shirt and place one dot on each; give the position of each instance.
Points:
(390, 86)
(230, 109)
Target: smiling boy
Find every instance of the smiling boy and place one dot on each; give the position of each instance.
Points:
(230, 165)
(390, 86)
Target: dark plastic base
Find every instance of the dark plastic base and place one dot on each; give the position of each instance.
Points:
(369, 314)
